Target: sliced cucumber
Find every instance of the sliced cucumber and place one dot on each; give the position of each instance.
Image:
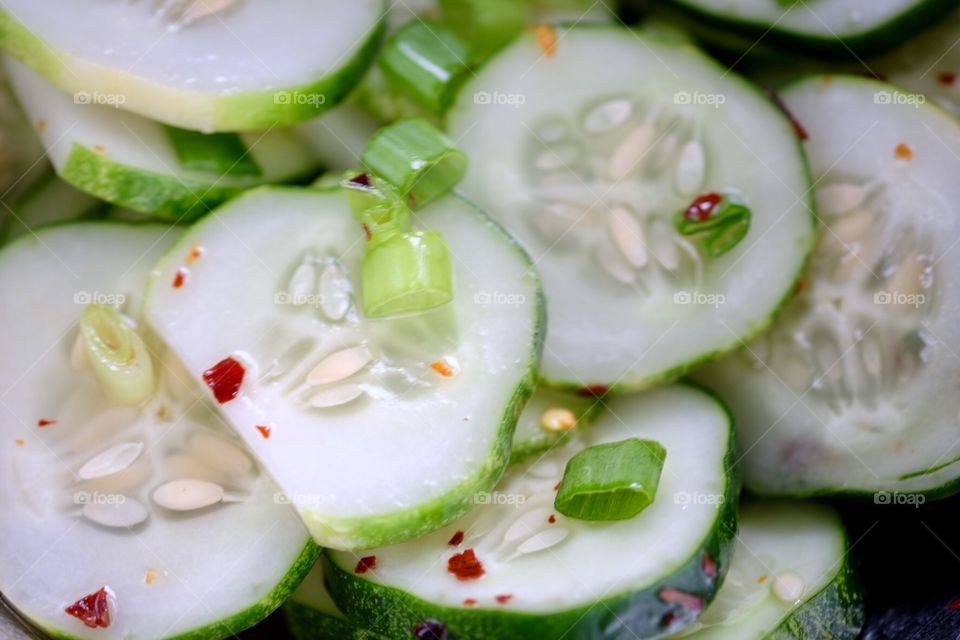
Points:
(209, 66)
(550, 416)
(70, 527)
(853, 390)
(50, 200)
(588, 169)
(845, 28)
(791, 577)
(417, 413)
(131, 161)
(311, 614)
(548, 576)
(338, 138)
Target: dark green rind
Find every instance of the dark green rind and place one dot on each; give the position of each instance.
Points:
(836, 612)
(307, 623)
(625, 616)
(877, 40)
(229, 627)
(219, 153)
(383, 530)
(232, 112)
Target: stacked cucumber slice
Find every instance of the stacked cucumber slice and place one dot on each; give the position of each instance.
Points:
(434, 391)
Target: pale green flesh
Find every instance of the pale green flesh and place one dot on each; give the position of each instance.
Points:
(129, 160)
(215, 571)
(229, 71)
(338, 138)
(774, 539)
(854, 390)
(438, 440)
(51, 200)
(595, 560)
(614, 323)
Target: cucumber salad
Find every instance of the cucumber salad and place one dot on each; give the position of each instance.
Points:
(469, 319)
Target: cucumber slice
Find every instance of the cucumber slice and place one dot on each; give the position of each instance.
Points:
(852, 391)
(131, 161)
(50, 200)
(791, 577)
(69, 528)
(311, 614)
(541, 164)
(193, 64)
(845, 28)
(561, 577)
(396, 449)
(550, 417)
(338, 138)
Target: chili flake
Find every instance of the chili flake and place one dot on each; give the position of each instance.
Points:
(196, 252)
(595, 390)
(92, 610)
(761, 579)
(552, 519)
(224, 379)
(151, 576)
(180, 277)
(504, 599)
(43, 422)
(903, 152)
(469, 602)
(709, 566)
(456, 539)
(465, 566)
(546, 39)
(99, 148)
(443, 368)
(361, 179)
(947, 78)
(367, 563)
(703, 207)
(264, 431)
(681, 598)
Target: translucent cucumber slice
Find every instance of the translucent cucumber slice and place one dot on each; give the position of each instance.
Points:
(791, 577)
(79, 474)
(853, 391)
(223, 65)
(130, 161)
(543, 575)
(844, 28)
(589, 169)
(377, 430)
(50, 200)
(338, 138)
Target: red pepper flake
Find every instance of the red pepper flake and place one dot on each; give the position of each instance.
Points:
(903, 152)
(465, 566)
(504, 599)
(264, 431)
(224, 379)
(151, 576)
(361, 179)
(709, 566)
(947, 78)
(546, 39)
(703, 207)
(556, 487)
(196, 252)
(596, 390)
(681, 598)
(443, 369)
(43, 422)
(456, 539)
(92, 610)
(954, 605)
(469, 602)
(780, 104)
(552, 519)
(367, 563)
(180, 277)
(99, 148)
(761, 579)
(430, 630)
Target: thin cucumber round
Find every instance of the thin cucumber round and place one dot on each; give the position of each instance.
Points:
(224, 66)
(130, 161)
(589, 169)
(834, 28)
(417, 413)
(791, 579)
(79, 513)
(549, 576)
(49, 200)
(853, 390)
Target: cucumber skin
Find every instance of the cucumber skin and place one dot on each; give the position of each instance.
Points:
(880, 39)
(232, 112)
(307, 623)
(394, 613)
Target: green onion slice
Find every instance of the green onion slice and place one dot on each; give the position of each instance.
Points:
(377, 206)
(485, 25)
(418, 159)
(427, 62)
(218, 153)
(719, 221)
(613, 481)
(118, 356)
(407, 273)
